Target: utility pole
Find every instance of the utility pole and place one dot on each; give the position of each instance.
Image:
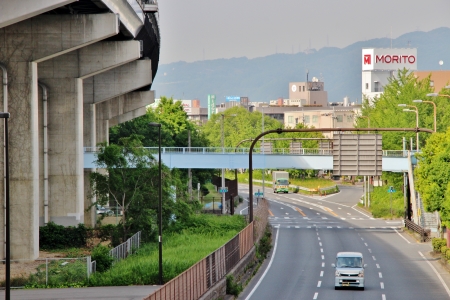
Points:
(189, 170)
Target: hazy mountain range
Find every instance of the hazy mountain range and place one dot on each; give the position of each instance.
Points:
(267, 78)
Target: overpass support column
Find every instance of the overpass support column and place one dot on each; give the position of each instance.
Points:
(23, 46)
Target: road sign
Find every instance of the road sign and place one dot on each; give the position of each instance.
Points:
(391, 189)
(259, 194)
(223, 190)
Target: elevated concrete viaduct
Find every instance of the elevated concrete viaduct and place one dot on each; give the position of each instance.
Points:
(74, 69)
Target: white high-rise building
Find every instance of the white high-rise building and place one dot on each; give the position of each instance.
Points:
(378, 65)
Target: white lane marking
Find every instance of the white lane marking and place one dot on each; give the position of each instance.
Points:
(319, 283)
(339, 227)
(289, 227)
(309, 226)
(349, 214)
(378, 266)
(324, 218)
(437, 274)
(374, 258)
(318, 238)
(323, 257)
(323, 265)
(276, 225)
(353, 207)
(321, 250)
(402, 236)
(382, 285)
(321, 273)
(343, 219)
(339, 208)
(383, 297)
(370, 251)
(380, 275)
(362, 239)
(366, 244)
(268, 267)
(315, 296)
(320, 244)
(297, 226)
(329, 227)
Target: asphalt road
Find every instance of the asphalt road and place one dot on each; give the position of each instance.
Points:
(309, 231)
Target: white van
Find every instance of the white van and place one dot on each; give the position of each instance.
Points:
(349, 270)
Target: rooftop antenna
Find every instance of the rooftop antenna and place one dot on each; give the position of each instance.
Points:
(307, 72)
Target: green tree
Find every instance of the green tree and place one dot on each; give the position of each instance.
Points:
(129, 177)
(385, 112)
(433, 175)
(175, 128)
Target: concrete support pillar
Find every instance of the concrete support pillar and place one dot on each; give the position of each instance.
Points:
(22, 46)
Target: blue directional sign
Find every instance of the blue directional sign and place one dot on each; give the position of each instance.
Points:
(391, 189)
(223, 190)
(259, 194)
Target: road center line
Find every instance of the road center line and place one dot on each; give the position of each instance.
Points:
(437, 274)
(380, 275)
(315, 296)
(382, 285)
(267, 269)
(321, 273)
(319, 283)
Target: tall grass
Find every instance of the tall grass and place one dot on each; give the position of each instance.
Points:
(380, 203)
(181, 250)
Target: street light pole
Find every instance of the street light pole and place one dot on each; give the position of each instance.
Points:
(416, 110)
(434, 109)
(161, 282)
(223, 170)
(5, 115)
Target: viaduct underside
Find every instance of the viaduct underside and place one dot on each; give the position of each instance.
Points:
(71, 70)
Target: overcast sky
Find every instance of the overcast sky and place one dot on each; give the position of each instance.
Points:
(210, 29)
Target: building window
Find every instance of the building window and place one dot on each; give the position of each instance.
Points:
(431, 83)
(349, 118)
(367, 86)
(303, 88)
(306, 119)
(377, 87)
(315, 119)
(339, 118)
(290, 119)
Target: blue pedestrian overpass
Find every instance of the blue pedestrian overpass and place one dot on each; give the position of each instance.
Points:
(227, 158)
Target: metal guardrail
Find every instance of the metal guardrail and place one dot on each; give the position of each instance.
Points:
(425, 234)
(125, 249)
(240, 151)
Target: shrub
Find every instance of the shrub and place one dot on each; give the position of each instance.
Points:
(102, 258)
(444, 249)
(438, 243)
(233, 288)
(447, 254)
(265, 244)
(53, 236)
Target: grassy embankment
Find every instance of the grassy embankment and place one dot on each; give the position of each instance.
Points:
(380, 203)
(184, 246)
(205, 234)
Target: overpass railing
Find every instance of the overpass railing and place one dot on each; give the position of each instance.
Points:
(231, 150)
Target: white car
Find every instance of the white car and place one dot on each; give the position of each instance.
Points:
(349, 270)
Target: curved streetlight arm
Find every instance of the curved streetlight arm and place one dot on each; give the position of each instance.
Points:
(250, 156)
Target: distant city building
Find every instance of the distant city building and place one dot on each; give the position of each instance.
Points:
(310, 93)
(378, 65)
(324, 117)
(439, 79)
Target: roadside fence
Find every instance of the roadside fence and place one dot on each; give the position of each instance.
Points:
(425, 234)
(195, 281)
(48, 272)
(125, 249)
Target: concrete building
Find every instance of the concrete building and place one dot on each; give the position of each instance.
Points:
(439, 78)
(74, 69)
(325, 117)
(378, 65)
(310, 93)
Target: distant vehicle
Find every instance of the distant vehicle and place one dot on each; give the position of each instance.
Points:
(280, 181)
(349, 270)
(101, 210)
